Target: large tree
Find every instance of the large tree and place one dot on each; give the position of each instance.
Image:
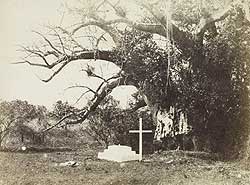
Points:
(205, 56)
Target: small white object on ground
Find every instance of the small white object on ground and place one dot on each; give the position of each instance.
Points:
(45, 155)
(23, 148)
(122, 165)
(170, 161)
(69, 163)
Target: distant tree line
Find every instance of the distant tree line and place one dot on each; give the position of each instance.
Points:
(15, 115)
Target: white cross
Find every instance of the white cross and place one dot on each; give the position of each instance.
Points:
(140, 131)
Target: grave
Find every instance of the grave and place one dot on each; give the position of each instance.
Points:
(118, 153)
(121, 153)
(140, 132)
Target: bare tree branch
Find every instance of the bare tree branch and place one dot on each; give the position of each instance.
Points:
(37, 53)
(82, 95)
(71, 37)
(90, 73)
(48, 53)
(82, 86)
(104, 25)
(61, 42)
(48, 41)
(99, 39)
(65, 60)
(179, 36)
(57, 71)
(58, 123)
(30, 63)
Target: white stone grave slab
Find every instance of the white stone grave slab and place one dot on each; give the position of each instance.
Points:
(118, 153)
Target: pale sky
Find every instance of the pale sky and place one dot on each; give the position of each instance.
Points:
(17, 19)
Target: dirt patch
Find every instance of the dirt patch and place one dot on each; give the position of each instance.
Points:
(166, 168)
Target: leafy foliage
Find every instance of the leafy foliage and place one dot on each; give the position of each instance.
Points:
(61, 109)
(216, 96)
(145, 63)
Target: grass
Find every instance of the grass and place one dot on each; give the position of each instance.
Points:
(171, 167)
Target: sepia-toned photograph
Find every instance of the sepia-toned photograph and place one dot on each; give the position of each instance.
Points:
(124, 92)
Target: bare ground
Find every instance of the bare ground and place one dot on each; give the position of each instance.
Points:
(172, 167)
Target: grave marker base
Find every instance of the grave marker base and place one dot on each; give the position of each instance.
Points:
(118, 153)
